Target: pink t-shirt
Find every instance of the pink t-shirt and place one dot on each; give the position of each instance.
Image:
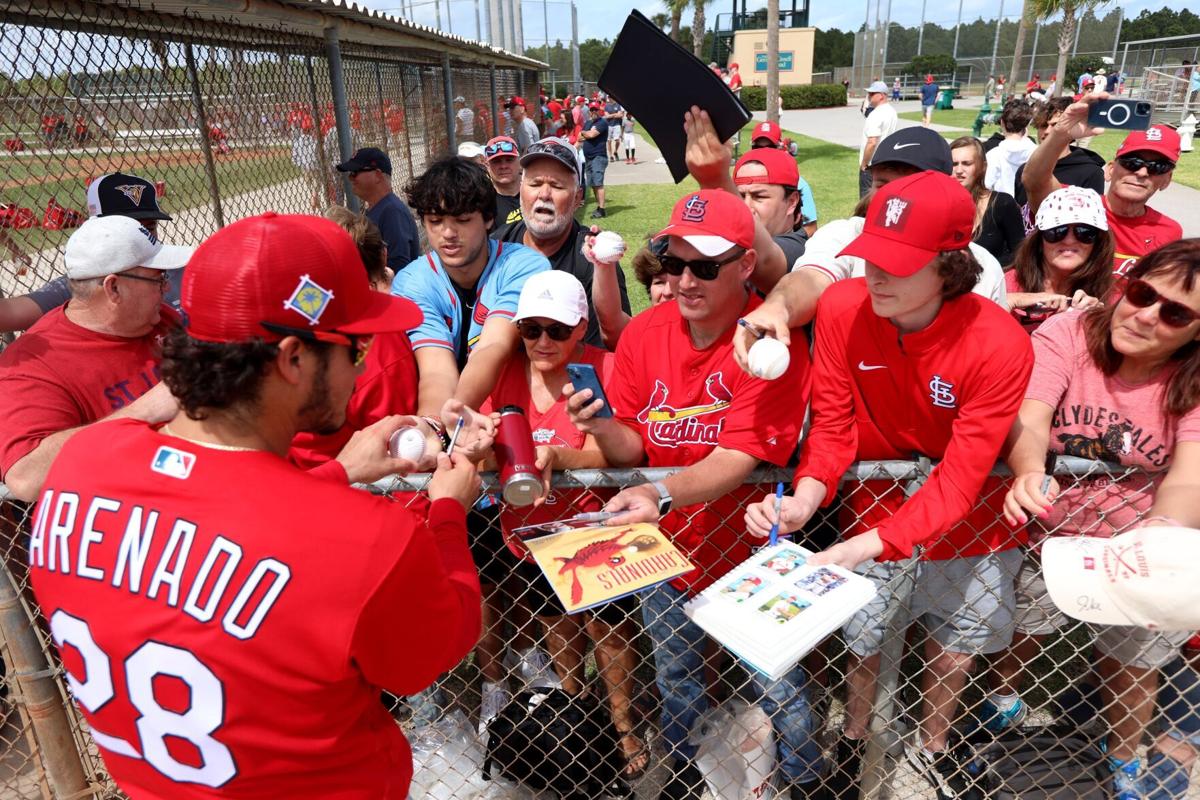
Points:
(1099, 416)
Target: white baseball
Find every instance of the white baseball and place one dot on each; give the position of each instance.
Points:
(769, 358)
(608, 247)
(408, 443)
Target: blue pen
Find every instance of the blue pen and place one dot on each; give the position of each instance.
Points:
(778, 505)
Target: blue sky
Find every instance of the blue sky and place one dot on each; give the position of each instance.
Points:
(603, 18)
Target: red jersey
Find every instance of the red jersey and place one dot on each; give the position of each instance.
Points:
(684, 402)
(60, 375)
(226, 620)
(550, 427)
(387, 385)
(1137, 236)
(949, 392)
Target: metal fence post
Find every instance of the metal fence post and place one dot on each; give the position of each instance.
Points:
(210, 168)
(448, 91)
(322, 157)
(496, 129)
(341, 114)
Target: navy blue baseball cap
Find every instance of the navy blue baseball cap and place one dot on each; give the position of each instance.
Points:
(367, 158)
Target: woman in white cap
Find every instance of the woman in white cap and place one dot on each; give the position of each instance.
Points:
(1066, 263)
(1118, 383)
(551, 319)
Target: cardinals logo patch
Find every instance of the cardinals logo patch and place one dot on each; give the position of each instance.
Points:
(671, 427)
(694, 209)
(309, 300)
(133, 191)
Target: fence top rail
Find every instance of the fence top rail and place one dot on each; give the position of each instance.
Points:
(1158, 39)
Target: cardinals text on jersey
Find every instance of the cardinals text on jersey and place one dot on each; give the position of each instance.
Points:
(671, 427)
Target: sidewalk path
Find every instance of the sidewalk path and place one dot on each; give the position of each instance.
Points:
(844, 126)
(646, 170)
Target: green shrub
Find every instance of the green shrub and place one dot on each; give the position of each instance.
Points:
(819, 95)
(937, 64)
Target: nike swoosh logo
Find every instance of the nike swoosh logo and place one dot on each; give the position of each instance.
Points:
(869, 367)
(902, 146)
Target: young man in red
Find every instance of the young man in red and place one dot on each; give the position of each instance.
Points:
(908, 360)
(226, 621)
(680, 400)
(1141, 168)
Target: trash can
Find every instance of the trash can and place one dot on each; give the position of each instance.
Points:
(945, 98)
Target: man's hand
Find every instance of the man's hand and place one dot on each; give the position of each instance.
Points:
(456, 478)
(1026, 495)
(850, 553)
(636, 504)
(794, 510)
(582, 409)
(1073, 121)
(365, 457)
(707, 157)
(544, 460)
(770, 319)
(478, 434)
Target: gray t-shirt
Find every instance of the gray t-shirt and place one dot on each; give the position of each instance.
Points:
(792, 245)
(526, 133)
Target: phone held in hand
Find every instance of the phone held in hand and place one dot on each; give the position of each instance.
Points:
(583, 376)
(1129, 115)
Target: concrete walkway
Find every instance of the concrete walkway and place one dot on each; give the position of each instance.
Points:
(648, 169)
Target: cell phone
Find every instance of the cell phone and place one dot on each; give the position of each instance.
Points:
(583, 376)
(1129, 115)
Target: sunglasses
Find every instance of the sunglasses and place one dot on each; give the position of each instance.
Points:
(1084, 234)
(161, 280)
(1142, 295)
(532, 331)
(703, 269)
(1133, 164)
(499, 148)
(359, 344)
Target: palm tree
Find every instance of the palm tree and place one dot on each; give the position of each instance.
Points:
(676, 8)
(1071, 11)
(1022, 25)
(698, 24)
(773, 61)
(661, 21)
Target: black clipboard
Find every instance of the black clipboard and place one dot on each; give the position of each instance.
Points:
(657, 81)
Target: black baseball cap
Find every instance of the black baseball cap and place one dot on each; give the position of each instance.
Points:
(918, 147)
(367, 158)
(556, 148)
(123, 195)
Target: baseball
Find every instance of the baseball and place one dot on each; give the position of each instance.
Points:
(769, 358)
(407, 443)
(608, 247)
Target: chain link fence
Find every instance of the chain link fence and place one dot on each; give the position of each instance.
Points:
(228, 114)
(945, 633)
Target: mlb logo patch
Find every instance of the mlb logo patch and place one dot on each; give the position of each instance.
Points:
(173, 463)
(309, 300)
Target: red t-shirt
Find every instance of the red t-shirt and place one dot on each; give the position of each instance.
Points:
(60, 375)
(232, 618)
(550, 427)
(684, 402)
(387, 385)
(1137, 236)
(949, 392)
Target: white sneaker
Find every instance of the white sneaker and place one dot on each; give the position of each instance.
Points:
(494, 697)
(536, 670)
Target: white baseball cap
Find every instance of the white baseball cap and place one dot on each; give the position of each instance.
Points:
(878, 87)
(470, 150)
(1149, 577)
(553, 294)
(1071, 205)
(108, 245)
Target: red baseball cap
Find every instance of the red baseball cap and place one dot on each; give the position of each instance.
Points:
(913, 219)
(712, 221)
(781, 167)
(1156, 139)
(291, 272)
(515, 100)
(500, 146)
(768, 130)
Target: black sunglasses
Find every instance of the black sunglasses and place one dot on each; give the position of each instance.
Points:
(1084, 234)
(359, 344)
(1156, 167)
(532, 331)
(498, 148)
(703, 269)
(1142, 295)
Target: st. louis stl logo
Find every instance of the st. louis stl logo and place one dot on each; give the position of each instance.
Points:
(940, 393)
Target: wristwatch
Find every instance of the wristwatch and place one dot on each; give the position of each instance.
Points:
(664, 497)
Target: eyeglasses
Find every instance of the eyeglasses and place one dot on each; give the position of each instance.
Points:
(1157, 167)
(703, 269)
(1084, 234)
(161, 280)
(359, 344)
(1142, 295)
(532, 331)
(499, 148)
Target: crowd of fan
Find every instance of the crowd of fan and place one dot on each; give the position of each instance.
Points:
(987, 302)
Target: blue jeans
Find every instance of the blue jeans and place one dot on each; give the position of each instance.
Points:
(679, 670)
